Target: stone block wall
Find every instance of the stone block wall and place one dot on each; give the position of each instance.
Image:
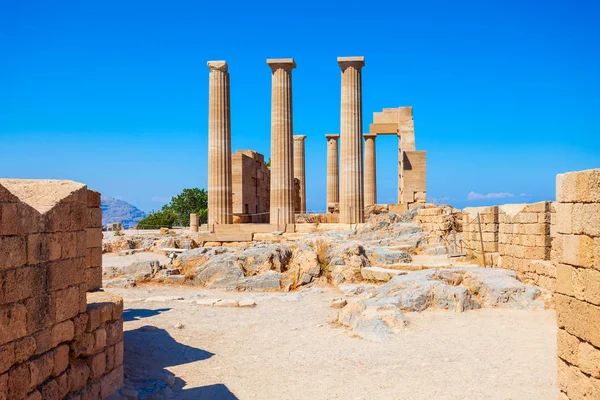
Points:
(578, 284)
(525, 242)
(54, 341)
(489, 233)
(251, 187)
(439, 221)
(93, 273)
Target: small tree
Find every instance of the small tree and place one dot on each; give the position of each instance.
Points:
(178, 210)
(158, 219)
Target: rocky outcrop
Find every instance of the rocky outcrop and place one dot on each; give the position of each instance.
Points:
(345, 262)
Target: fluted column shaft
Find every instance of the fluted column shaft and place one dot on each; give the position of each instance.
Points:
(220, 207)
(333, 185)
(282, 210)
(370, 170)
(299, 169)
(351, 156)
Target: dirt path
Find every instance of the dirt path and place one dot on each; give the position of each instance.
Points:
(286, 348)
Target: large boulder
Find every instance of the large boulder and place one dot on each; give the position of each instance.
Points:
(267, 281)
(345, 262)
(192, 259)
(385, 256)
(138, 270)
(372, 322)
(222, 271)
(303, 267)
(270, 258)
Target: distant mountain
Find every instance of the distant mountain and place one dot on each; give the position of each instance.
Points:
(114, 210)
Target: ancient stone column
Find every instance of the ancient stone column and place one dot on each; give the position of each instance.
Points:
(333, 182)
(299, 170)
(370, 170)
(220, 208)
(351, 158)
(282, 208)
(194, 222)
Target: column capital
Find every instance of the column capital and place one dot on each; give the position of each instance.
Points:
(284, 63)
(356, 62)
(332, 136)
(220, 65)
(299, 137)
(370, 136)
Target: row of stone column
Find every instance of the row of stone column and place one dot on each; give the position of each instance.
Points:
(351, 192)
(284, 164)
(333, 176)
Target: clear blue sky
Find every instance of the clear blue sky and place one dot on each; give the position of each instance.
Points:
(114, 93)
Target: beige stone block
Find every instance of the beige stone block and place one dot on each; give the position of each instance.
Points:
(577, 250)
(7, 357)
(100, 339)
(41, 368)
(80, 322)
(21, 283)
(94, 257)
(575, 384)
(63, 332)
(118, 348)
(566, 188)
(65, 273)
(24, 349)
(578, 318)
(49, 390)
(586, 285)
(114, 332)
(19, 382)
(13, 322)
(93, 278)
(57, 219)
(8, 219)
(67, 303)
(97, 364)
(94, 218)
(14, 252)
(111, 382)
(586, 219)
(78, 217)
(568, 346)
(61, 359)
(78, 375)
(93, 198)
(3, 377)
(83, 345)
(63, 385)
(94, 237)
(589, 359)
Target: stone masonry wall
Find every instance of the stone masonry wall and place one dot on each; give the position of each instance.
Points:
(525, 242)
(56, 340)
(578, 284)
(439, 221)
(489, 232)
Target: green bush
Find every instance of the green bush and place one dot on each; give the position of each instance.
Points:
(178, 210)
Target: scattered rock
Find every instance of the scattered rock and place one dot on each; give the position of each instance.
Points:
(178, 326)
(148, 328)
(247, 303)
(226, 303)
(164, 299)
(119, 283)
(207, 302)
(338, 303)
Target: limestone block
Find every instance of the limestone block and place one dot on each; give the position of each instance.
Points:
(3, 377)
(586, 219)
(578, 318)
(577, 250)
(93, 278)
(586, 285)
(93, 237)
(94, 218)
(24, 349)
(78, 375)
(63, 385)
(93, 198)
(580, 186)
(568, 346)
(7, 357)
(13, 252)
(8, 219)
(62, 332)
(19, 382)
(22, 283)
(66, 303)
(13, 322)
(94, 257)
(65, 272)
(61, 359)
(49, 390)
(41, 368)
(589, 359)
(114, 331)
(575, 384)
(97, 365)
(111, 382)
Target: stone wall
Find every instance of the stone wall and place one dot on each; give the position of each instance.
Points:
(516, 237)
(489, 233)
(578, 284)
(439, 221)
(525, 242)
(251, 187)
(55, 338)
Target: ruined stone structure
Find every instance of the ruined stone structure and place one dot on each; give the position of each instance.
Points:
(282, 171)
(194, 222)
(56, 339)
(220, 209)
(300, 172)
(441, 222)
(251, 187)
(515, 236)
(412, 172)
(333, 179)
(578, 284)
(352, 202)
(370, 170)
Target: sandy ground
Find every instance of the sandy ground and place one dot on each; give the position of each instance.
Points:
(287, 348)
